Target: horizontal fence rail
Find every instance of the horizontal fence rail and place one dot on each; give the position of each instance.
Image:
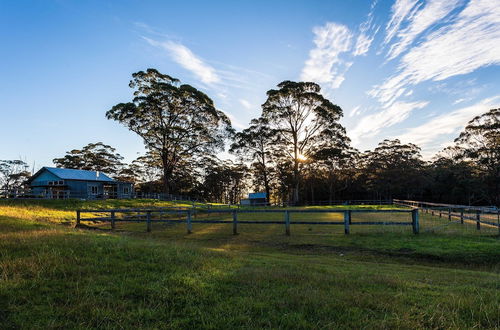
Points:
(486, 209)
(486, 215)
(158, 215)
(320, 203)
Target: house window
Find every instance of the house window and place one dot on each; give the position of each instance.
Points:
(126, 190)
(55, 183)
(94, 190)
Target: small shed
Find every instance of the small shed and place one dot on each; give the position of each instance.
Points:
(54, 182)
(255, 199)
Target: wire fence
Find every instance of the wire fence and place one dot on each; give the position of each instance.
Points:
(456, 219)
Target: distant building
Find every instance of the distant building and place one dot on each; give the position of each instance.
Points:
(52, 182)
(255, 199)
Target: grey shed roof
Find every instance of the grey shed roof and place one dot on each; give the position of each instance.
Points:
(71, 174)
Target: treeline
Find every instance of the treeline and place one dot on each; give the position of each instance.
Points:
(297, 151)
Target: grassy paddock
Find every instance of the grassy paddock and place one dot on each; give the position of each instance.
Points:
(55, 276)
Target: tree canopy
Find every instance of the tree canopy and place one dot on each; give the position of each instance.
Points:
(480, 142)
(176, 121)
(393, 169)
(92, 157)
(13, 173)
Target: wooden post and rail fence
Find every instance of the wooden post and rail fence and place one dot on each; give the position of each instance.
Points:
(189, 215)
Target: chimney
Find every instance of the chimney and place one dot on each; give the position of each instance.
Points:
(97, 174)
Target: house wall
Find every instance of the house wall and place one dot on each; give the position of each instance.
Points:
(121, 190)
(79, 188)
(43, 177)
(83, 189)
(37, 190)
(258, 201)
(37, 185)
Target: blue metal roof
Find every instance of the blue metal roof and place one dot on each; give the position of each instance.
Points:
(72, 174)
(257, 195)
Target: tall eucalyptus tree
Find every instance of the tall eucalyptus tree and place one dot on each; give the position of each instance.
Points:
(301, 116)
(176, 121)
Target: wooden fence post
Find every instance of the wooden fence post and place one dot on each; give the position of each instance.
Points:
(287, 223)
(414, 221)
(449, 214)
(347, 216)
(77, 218)
(462, 216)
(235, 223)
(189, 226)
(113, 226)
(498, 222)
(148, 221)
(350, 216)
(478, 220)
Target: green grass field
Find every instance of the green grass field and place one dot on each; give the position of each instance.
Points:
(55, 276)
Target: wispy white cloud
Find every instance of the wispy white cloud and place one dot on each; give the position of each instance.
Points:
(214, 74)
(470, 42)
(461, 100)
(428, 134)
(188, 60)
(473, 41)
(335, 47)
(370, 125)
(367, 32)
(245, 104)
(433, 12)
(222, 95)
(324, 65)
(355, 111)
(363, 44)
(401, 9)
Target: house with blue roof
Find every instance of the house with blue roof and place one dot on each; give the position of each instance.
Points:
(54, 182)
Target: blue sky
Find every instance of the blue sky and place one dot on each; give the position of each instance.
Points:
(414, 70)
